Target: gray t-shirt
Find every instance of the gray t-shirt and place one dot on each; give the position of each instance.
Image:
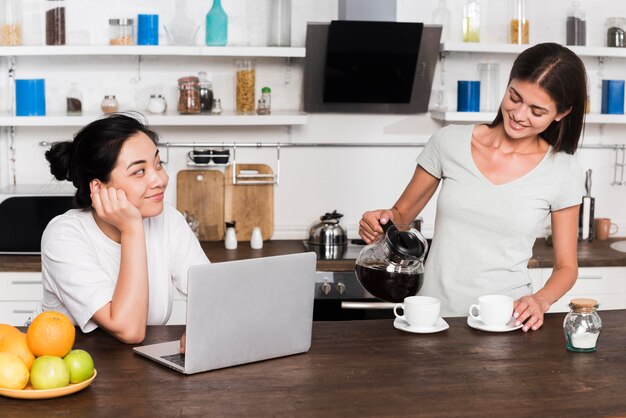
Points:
(484, 233)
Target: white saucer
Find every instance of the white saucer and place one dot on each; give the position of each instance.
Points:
(402, 325)
(475, 323)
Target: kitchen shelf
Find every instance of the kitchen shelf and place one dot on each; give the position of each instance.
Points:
(497, 48)
(461, 117)
(156, 50)
(172, 119)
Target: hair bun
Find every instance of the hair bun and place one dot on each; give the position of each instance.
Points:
(60, 158)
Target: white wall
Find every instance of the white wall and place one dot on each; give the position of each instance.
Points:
(313, 180)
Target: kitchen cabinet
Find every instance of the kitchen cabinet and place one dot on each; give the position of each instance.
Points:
(607, 285)
(509, 51)
(171, 118)
(20, 292)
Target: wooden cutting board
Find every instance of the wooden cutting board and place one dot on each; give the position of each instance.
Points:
(201, 194)
(250, 205)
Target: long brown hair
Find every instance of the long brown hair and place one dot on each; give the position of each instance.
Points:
(562, 74)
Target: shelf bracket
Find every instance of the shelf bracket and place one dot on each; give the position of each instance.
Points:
(288, 68)
(12, 65)
(620, 162)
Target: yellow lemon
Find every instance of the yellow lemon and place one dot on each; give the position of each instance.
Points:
(13, 372)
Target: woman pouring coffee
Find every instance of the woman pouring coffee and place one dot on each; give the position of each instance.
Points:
(499, 182)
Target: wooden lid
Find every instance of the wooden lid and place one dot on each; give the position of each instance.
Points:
(583, 303)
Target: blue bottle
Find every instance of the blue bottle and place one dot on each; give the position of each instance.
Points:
(216, 25)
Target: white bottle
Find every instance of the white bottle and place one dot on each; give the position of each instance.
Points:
(256, 240)
(230, 240)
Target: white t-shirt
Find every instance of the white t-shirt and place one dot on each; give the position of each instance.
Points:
(484, 233)
(80, 264)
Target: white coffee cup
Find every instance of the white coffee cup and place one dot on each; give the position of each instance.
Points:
(493, 310)
(419, 311)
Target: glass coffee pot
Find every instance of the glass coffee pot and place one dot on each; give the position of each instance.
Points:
(392, 268)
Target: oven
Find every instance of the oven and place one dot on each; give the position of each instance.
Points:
(339, 295)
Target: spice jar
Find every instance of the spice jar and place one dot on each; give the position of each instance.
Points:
(245, 79)
(188, 95)
(55, 22)
(582, 325)
(575, 26)
(206, 93)
(10, 22)
(616, 32)
(265, 105)
(74, 101)
(109, 104)
(519, 25)
(156, 104)
(121, 32)
(217, 107)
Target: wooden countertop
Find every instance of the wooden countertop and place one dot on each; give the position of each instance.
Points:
(595, 254)
(365, 368)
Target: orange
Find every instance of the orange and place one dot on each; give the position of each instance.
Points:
(50, 334)
(16, 343)
(13, 372)
(6, 329)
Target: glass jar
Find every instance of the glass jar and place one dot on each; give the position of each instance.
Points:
(182, 29)
(121, 32)
(206, 93)
(576, 26)
(55, 22)
(109, 104)
(188, 96)
(74, 101)
(519, 25)
(582, 325)
(471, 21)
(279, 23)
(217, 107)
(156, 104)
(616, 32)
(10, 22)
(265, 102)
(441, 16)
(244, 89)
(489, 76)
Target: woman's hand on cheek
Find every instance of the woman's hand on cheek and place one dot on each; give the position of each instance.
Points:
(113, 207)
(529, 311)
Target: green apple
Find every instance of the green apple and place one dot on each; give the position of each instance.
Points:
(80, 365)
(49, 372)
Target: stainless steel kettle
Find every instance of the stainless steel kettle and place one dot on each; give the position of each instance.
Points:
(328, 238)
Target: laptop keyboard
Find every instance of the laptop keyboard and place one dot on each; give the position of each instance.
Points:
(177, 358)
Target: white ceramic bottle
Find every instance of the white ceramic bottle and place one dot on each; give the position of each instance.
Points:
(256, 240)
(230, 239)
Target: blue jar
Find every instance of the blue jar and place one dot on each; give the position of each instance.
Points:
(148, 30)
(30, 97)
(216, 25)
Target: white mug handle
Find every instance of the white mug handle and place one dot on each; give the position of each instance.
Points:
(471, 312)
(616, 229)
(395, 312)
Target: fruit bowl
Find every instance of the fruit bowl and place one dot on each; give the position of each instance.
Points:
(30, 393)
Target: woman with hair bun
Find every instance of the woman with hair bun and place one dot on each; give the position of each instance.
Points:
(499, 183)
(115, 260)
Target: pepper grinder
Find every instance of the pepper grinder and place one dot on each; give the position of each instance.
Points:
(230, 239)
(256, 240)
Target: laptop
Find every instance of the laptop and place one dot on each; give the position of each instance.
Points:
(243, 311)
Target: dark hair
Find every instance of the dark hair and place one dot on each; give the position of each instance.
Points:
(93, 153)
(561, 73)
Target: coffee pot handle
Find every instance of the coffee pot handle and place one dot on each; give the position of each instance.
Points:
(386, 226)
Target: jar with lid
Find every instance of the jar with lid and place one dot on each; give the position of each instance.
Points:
(188, 96)
(265, 102)
(582, 325)
(519, 25)
(576, 26)
(279, 23)
(156, 104)
(471, 21)
(121, 32)
(616, 32)
(206, 93)
(10, 22)
(109, 104)
(55, 22)
(217, 107)
(244, 88)
(74, 101)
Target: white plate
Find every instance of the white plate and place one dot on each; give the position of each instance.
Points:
(475, 323)
(402, 325)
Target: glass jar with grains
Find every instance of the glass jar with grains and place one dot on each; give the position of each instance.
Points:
(10, 22)
(188, 95)
(244, 86)
(519, 25)
(121, 32)
(55, 22)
